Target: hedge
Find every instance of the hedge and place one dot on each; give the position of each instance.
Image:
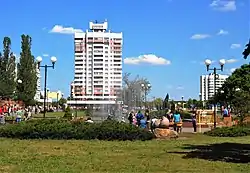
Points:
(234, 131)
(64, 129)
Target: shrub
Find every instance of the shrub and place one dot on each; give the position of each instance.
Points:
(186, 115)
(64, 129)
(67, 113)
(233, 131)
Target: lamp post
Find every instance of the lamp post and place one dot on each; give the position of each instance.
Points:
(221, 63)
(200, 96)
(19, 81)
(47, 97)
(53, 61)
(145, 88)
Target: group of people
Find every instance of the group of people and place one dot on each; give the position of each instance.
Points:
(18, 113)
(144, 120)
(139, 119)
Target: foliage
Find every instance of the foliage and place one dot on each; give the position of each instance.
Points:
(63, 129)
(194, 103)
(27, 72)
(67, 113)
(158, 102)
(235, 91)
(157, 114)
(233, 131)
(246, 52)
(7, 70)
(165, 102)
(133, 94)
(62, 101)
(89, 111)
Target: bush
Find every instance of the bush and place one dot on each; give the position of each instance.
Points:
(157, 114)
(64, 129)
(186, 115)
(233, 131)
(67, 113)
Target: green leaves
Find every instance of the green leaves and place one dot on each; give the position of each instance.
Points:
(7, 70)
(26, 71)
(236, 90)
(246, 52)
(63, 129)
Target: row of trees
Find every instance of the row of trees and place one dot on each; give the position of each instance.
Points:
(12, 71)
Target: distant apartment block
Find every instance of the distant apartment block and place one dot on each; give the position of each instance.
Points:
(98, 65)
(207, 85)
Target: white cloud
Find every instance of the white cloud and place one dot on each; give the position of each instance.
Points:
(232, 70)
(223, 5)
(222, 32)
(180, 88)
(149, 59)
(199, 36)
(64, 30)
(229, 61)
(235, 46)
(45, 55)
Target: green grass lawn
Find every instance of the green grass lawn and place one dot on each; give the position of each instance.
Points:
(59, 114)
(158, 156)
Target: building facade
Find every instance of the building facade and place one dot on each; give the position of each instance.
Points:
(207, 85)
(98, 65)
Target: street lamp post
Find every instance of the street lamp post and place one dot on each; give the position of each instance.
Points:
(19, 81)
(208, 63)
(53, 61)
(145, 87)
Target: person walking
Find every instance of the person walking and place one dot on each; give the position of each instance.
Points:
(194, 122)
(130, 118)
(139, 117)
(176, 120)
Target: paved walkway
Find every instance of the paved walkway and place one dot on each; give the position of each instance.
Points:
(190, 130)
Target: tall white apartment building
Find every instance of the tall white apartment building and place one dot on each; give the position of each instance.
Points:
(98, 66)
(207, 85)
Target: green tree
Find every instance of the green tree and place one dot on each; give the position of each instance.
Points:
(26, 71)
(165, 102)
(158, 103)
(62, 101)
(236, 91)
(7, 70)
(246, 52)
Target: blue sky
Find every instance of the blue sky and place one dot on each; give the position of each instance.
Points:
(171, 37)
